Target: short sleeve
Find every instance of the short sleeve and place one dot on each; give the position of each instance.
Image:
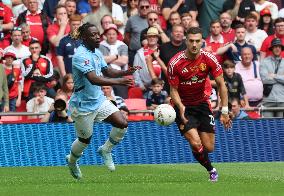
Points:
(83, 63)
(216, 68)
(60, 48)
(173, 76)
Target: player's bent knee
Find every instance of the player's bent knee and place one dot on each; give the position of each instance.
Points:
(85, 141)
(123, 124)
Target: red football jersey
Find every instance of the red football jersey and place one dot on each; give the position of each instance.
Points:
(191, 76)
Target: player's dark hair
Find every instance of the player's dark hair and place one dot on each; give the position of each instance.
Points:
(194, 30)
(82, 30)
(228, 64)
(34, 41)
(278, 20)
(240, 26)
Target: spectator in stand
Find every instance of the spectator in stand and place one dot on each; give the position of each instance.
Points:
(266, 22)
(234, 83)
(67, 46)
(174, 19)
(40, 102)
(57, 30)
(105, 22)
(67, 85)
(38, 22)
(279, 33)
(207, 11)
(156, 6)
(17, 47)
(156, 96)
(236, 110)
(153, 21)
(58, 111)
(71, 7)
(4, 91)
(49, 7)
(249, 70)
(132, 9)
(134, 26)
(53, 85)
(262, 4)
(233, 50)
(83, 7)
(169, 49)
(228, 32)
(254, 35)
(14, 79)
(180, 6)
(99, 9)
(35, 68)
(6, 24)
(26, 33)
(116, 55)
(118, 17)
(272, 75)
(123, 5)
(215, 40)
(186, 19)
(143, 77)
(238, 9)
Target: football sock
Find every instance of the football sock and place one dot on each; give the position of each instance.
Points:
(202, 157)
(77, 149)
(115, 136)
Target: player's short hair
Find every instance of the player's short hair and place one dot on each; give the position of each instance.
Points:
(152, 12)
(83, 29)
(58, 7)
(156, 81)
(38, 86)
(107, 15)
(194, 30)
(229, 64)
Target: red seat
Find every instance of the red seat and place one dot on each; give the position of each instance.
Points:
(135, 92)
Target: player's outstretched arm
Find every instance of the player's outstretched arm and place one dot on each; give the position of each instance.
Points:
(102, 81)
(177, 101)
(114, 73)
(225, 119)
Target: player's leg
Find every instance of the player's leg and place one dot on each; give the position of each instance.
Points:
(84, 130)
(207, 140)
(110, 113)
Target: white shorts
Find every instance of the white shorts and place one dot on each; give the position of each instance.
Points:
(84, 122)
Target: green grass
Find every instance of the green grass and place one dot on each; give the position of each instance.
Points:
(179, 179)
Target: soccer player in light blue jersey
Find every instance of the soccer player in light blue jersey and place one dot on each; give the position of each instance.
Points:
(88, 103)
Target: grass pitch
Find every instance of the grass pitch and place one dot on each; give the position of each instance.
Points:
(251, 179)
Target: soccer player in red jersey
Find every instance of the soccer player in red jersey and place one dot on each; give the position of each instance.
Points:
(190, 90)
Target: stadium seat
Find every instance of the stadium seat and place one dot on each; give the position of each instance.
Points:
(138, 104)
(135, 92)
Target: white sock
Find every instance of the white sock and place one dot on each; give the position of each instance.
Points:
(77, 149)
(115, 136)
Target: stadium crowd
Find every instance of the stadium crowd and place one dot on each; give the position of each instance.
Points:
(37, 44)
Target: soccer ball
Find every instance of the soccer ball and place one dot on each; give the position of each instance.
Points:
(164, 114)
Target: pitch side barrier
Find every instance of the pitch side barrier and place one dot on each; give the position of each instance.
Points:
(145, 143)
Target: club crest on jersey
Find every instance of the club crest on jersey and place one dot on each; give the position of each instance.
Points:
(87, 62)
(202, 67)
(43, 64)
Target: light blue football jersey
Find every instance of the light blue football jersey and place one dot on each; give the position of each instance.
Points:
(87, 97)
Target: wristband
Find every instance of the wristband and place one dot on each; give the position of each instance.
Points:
(225, 110)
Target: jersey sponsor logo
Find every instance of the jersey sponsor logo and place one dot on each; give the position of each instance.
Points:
(202, 67)
(193, 80)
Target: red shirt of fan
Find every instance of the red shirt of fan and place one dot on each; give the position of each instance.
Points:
(191, 76)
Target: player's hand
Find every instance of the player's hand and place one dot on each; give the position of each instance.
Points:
(226, 120)
(125, 81)
(131, 70)
(182, 116)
